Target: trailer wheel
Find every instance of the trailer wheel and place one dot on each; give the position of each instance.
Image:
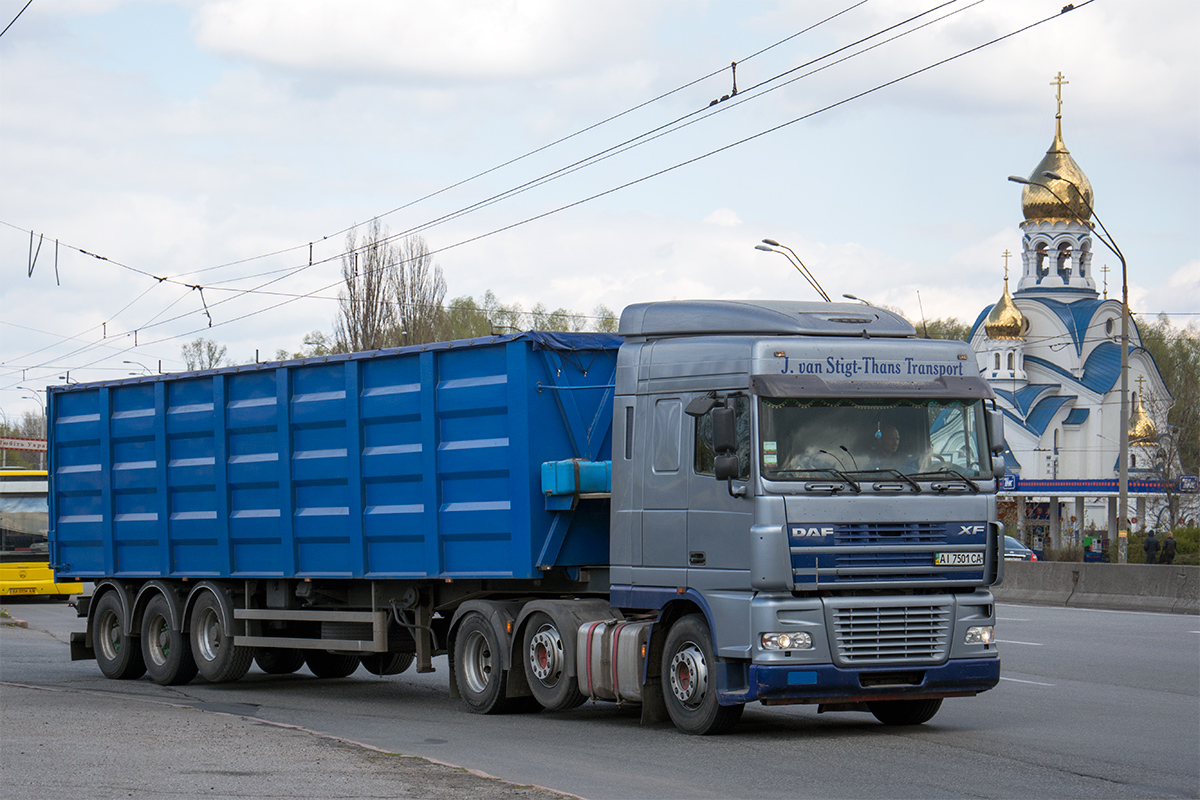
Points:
(165, 649)
(217, 659)
(278, 660)
(904, 712)
(117, 654)
(325, 664)
(479, 669)
(691, 689)
(552, 682)
(387, 663)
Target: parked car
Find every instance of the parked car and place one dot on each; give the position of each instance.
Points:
(1015, 551)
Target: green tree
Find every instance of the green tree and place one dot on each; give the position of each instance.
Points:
(201, 353)
(945, 328)
(1176, 351)
(606, 321)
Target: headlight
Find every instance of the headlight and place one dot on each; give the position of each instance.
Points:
(786, 641)
(980, 634)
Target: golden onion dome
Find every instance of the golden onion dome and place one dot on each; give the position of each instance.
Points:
(1039, 202)
(1005, 320)
(1141, 427)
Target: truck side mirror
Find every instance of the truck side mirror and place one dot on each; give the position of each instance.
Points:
(995, 420)
(725, 468)
(998, 467)
(724, 431)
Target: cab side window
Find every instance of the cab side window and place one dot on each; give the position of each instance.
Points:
(704, 441)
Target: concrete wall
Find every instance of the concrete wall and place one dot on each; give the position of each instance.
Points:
(1127, 587)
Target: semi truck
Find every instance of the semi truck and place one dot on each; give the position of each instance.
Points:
(725, 502)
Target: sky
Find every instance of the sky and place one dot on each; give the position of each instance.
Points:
(175, 164)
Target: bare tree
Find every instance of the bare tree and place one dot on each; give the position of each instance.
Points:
(418, 289)
(201, 353)
(366, 319)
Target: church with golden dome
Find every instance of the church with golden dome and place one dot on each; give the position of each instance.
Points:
(1051, 351)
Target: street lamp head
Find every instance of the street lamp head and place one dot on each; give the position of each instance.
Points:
(1052, 175)
(764, 248)
(771, 242)
(1019, 179)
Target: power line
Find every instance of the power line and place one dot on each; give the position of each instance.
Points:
(657, 173)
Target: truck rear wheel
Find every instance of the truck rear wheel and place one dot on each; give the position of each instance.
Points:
(325, 664)
(387, 663)
(217, 659)
(690, 681)
(165, 649)
(479, 667)
(117, 654)
(904, 712)
(547, 669)
(278, 660)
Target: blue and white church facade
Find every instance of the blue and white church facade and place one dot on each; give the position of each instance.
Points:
(1051, 352)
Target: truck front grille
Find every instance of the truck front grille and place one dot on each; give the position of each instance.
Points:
(865, 635)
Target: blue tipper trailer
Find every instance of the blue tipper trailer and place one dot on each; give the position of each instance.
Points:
(423, 462)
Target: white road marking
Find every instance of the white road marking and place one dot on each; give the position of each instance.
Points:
(1009, 641)
(1010, 619)
(1018, 680)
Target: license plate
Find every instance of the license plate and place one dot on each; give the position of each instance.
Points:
(22, 590)
(958, 559)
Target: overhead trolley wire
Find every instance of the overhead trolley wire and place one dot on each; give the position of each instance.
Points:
(656, 173)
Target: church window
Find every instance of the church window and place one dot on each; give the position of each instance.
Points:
(1011, 362)
(1108, 327)
(1040, 263)
(997, 361)
(1056, 441)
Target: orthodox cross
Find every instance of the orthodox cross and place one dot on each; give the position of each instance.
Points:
(1104, 269)
(1007, 255)
(1058, 81)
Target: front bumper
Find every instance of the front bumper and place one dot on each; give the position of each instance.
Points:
(825, 683)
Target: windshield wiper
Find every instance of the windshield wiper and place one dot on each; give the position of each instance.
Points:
(962, 478)
(916, 486)
(853, 484)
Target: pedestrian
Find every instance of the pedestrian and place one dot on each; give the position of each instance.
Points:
(1151, 548)
(1168, 549)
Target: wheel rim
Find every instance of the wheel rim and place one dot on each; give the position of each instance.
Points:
(109, 635)
(478, 662)
(689, 675)
(159, 644)
(546, 655)
(208, 635)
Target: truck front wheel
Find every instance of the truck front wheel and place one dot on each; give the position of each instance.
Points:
(690, 688)
(165, 649)
(547, 669)
(904, 712)
(479, 668)
(117, 653)
(212, 646)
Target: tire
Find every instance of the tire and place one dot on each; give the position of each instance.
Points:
(216, 657)
(278, 660)
(689, 680)
(548, 664)
(118, 655)
(904, 712)
(325, 664)
(165, 649)
(387, 663)
(479, 669)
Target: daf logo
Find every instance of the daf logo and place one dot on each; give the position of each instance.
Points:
(971, 530)
(800, 530)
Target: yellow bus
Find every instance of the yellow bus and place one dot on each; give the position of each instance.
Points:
(24, 554)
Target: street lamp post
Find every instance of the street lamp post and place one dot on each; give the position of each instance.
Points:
(1107, 240)
(769, 245)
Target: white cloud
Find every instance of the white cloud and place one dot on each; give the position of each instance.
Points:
(416, 39)
(723, 217)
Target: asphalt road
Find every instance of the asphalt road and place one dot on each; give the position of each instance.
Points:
(1092, 704)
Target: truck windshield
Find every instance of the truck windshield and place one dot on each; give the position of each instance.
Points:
(804, 439)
